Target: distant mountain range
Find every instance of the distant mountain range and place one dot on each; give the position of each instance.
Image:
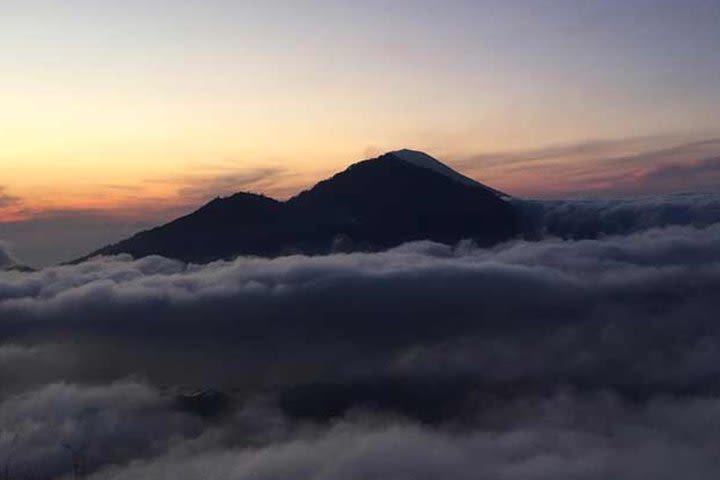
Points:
(373, 205)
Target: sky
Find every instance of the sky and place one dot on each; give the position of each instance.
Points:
(120, 115)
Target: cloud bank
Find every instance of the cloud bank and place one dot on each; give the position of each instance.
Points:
(589, 350)
(591, 218)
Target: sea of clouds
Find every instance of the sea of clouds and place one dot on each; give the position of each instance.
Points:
(590, 349)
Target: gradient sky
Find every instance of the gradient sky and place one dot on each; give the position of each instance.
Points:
(115, 115)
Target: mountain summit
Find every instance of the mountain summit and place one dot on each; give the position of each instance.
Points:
(423, 160)
(374, 204)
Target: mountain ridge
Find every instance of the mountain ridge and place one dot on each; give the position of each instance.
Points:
(372, 205)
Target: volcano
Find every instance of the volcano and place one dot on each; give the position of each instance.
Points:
(372, 205)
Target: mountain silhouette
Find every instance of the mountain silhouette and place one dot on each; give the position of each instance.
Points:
(372, 205)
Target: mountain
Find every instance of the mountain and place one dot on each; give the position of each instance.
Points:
(372, 205)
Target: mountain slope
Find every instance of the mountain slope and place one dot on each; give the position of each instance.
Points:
(374, 204)
(239, 223)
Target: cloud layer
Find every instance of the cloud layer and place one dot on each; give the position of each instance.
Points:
(592, 218)
(589, 351)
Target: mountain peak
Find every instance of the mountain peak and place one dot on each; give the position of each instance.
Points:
(423, 160)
